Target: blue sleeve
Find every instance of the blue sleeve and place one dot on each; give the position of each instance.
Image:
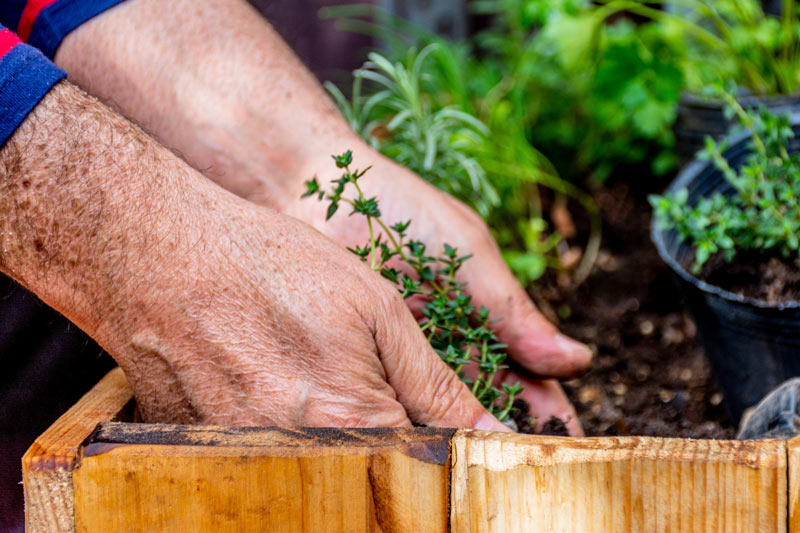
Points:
(26, 76)
(44, 23)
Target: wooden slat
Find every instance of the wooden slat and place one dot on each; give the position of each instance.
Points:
(504, 483)
(179, 478)
(48, 463)
(794, 484)
(140, 477)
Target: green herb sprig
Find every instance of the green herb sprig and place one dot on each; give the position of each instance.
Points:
(762, 215)
(462, 123)
(437, 142)
(458, 331)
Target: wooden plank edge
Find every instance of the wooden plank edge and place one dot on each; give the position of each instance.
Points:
(793, 472)
(507, 455)
(429, 445)
(47, 465)
(404, 474)
(537, 450)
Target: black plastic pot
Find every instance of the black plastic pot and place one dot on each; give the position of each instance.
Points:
(752, 346)
(699, 117)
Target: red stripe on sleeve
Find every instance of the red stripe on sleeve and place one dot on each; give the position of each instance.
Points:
(8, 40)
(29, 14)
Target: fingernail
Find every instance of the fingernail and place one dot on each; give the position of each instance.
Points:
(489, 423)
(573, 348)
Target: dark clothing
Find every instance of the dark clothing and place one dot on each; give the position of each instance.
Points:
(46, 365)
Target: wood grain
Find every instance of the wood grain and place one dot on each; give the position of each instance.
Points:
(506, 483)
(47, 465)
(81, 476)
(179, 478)
(794, 484)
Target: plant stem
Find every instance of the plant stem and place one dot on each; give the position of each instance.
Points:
(372, 246)
(509, 405)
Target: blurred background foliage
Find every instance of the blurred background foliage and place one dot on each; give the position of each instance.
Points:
(545, 98)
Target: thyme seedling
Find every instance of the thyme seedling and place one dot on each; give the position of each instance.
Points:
(459, 332)
(763, 214)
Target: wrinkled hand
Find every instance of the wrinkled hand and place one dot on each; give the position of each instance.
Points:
(257, 319)
(216, 83)
(536, 348)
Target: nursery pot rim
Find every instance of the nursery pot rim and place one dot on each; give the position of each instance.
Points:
(685, 176)
(693, 98)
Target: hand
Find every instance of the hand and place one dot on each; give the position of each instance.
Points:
(218, 311)
(535, 346)
(240, 106)
(263, 321)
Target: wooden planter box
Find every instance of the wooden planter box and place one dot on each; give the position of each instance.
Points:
(93, 470)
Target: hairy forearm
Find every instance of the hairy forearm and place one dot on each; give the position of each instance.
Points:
(92, 207)
(131, 244)
(212, 80)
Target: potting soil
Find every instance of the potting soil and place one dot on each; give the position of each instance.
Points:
(772, 279)
(648, 376)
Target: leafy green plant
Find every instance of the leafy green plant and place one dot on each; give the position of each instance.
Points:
(595, 85)
(458, 332)
(594, 97)
(718, 40)
(435, 141)
(610, 109)
(460, 122)
(763, 214)
(607, 89)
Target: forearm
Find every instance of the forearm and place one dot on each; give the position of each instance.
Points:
(92, 210)
(214, 81)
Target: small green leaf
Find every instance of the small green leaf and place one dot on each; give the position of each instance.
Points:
(331, 210)
(367, 207)
(312, 187)
(343, 160)
(391, 274)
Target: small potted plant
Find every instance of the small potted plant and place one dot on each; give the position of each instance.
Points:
(714, 40)
(742, 41)
(729, 227)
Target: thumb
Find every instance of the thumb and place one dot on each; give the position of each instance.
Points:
(431, 393)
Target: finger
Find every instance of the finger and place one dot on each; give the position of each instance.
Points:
(532, 340)
(430, 391)
(546, 399)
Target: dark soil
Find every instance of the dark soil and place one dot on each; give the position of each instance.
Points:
(519, 414)
(525, 424)
(771, 279)
(648, 376)
(556, 427)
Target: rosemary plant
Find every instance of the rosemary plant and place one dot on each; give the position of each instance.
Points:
(458, 331)
(425, 112)
(435, 141)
